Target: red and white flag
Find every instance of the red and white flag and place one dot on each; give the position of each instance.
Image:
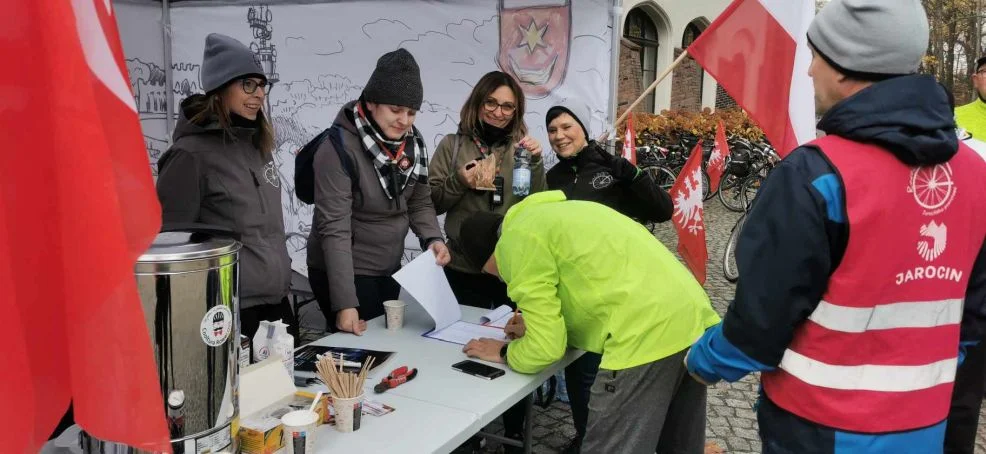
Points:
(758, 51)
(689, 214)
(717, 159)
(630, 142)
(77, 207)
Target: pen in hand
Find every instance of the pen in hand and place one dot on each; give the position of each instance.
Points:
(511, 329)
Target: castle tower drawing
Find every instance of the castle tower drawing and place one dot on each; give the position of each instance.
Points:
(259, 18)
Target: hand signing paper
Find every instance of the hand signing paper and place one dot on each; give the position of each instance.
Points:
(515, 328)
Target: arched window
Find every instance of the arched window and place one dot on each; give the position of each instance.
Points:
(641, 30)
(691, 34)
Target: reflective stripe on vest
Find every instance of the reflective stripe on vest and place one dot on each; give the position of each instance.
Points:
(879, 352)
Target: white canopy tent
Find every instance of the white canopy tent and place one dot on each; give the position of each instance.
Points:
(318, 54)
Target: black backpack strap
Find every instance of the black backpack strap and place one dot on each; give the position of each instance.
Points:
(348, 165)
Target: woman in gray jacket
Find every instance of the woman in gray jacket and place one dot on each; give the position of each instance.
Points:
(220, 171)
(370, 187)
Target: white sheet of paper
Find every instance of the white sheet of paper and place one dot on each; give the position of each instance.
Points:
(425, 281)
(498, 317)
(463, 332)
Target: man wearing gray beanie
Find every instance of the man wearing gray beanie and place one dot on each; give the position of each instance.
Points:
(857, 336)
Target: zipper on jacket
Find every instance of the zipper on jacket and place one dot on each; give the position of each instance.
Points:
(260, 193)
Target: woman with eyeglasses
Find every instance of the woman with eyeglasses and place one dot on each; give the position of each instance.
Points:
(220, 171)
(491, 126)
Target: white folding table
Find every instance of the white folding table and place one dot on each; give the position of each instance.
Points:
(437, 386)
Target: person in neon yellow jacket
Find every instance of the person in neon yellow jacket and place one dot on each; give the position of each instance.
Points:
(972, 116)
(588, 277)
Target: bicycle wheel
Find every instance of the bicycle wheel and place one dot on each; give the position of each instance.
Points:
(706, 186)
(663, 176)
(750, 187)
(731, 193)
(729, 268)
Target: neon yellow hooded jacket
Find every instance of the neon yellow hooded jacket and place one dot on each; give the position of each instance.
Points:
(972, 118)
(588, 277)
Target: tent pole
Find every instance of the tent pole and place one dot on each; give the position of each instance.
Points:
(616, 18)
(169, 96)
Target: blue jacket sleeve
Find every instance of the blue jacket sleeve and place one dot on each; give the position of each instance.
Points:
(793, 238)
(713, 358)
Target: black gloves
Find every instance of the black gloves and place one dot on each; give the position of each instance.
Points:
(623, 171)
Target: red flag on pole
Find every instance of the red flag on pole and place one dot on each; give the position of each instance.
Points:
(630, 142)
(689, 214)
(758, 51)
(717, 159)
(77, 207)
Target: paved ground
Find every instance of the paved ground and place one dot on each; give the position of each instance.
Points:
(731, 422)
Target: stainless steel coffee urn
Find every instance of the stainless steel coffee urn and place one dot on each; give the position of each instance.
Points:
(189, 282)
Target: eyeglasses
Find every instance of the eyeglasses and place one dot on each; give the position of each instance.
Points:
(507, 108)
(250, 85)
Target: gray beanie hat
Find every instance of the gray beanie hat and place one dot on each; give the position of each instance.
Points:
(871, 38)
(395, 81)
(226, 59)
(574, 107)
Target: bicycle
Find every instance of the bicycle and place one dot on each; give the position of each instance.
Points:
(745, 171)
(729, 268)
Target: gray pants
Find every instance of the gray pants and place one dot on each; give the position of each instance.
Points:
(652, 406)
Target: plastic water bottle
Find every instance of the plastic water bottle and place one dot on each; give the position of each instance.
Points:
(522, 172)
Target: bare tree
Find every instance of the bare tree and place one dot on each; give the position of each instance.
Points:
(956, 43)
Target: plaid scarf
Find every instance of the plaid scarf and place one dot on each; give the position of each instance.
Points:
(392, 178)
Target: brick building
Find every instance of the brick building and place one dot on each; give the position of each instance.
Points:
(655, 32)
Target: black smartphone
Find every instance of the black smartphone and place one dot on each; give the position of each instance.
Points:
(478, 369)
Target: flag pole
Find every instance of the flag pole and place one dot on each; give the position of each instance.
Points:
(649, 89)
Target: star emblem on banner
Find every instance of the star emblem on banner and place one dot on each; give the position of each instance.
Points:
(533, 36)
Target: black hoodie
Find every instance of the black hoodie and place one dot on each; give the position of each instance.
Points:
(796, 232)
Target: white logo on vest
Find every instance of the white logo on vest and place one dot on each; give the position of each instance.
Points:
(930, 250)
(931, 245)
(933, 188)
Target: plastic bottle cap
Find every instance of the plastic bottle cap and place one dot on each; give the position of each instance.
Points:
(176, 398)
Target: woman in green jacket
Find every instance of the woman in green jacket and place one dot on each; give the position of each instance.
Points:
(491, 126)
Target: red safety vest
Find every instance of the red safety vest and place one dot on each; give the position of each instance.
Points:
(879, 352)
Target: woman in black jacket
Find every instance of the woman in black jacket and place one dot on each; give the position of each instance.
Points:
(586, 171)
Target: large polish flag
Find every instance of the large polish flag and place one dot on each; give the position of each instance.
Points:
(758, 51)
(77, 207)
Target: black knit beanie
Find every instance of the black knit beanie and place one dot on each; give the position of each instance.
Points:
(478, 236)
(395, 81)
(555, 111)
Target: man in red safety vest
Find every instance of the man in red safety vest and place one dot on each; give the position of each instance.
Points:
(862, 262)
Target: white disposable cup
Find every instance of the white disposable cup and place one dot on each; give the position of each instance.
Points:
(299, 431)
(348, 412)
(395, 314)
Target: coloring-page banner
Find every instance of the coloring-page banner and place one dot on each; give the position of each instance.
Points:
(320, 55)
